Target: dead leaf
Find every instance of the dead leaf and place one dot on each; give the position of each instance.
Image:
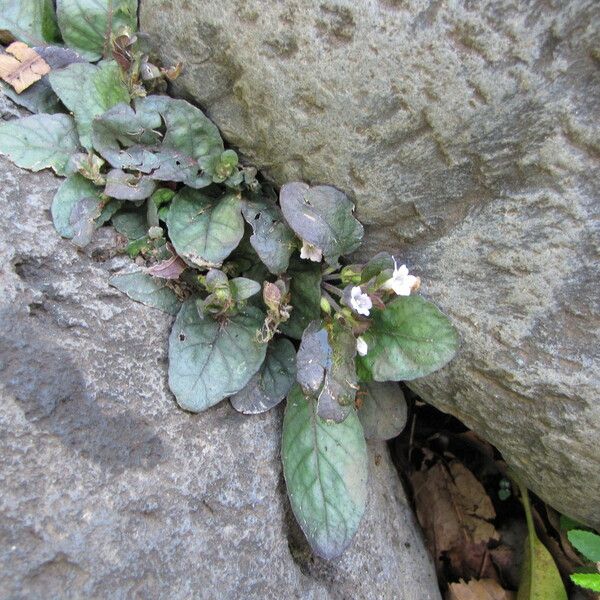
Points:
(173, 72)
(171, 268)
(482, 589)
(454, 511)
(21, 66)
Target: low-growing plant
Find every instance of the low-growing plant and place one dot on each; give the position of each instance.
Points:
(587, 543)
(266, 306)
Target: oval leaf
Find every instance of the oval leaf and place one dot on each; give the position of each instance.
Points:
(590, 581)
(210, 360)
(321, 215)
(148, 290)
(382, 410)
(272, 239)
(31, 21)
(127, 186)
(325, 466)
(586, 542)
(540, 579)
(88, 91)
(272, 382)
(87, 25)
(410, 338)
(205, 230)
(40, 141)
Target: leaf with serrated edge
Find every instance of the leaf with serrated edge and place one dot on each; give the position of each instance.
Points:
(321, 215)
(87, 25)
(148, 290)
(586, 543)
(325, 466)
(272, 239)
(209, 359)
(31, 21)
(205, 230)
(72, 190)
(305, 292)
(273, 381)
(410, 338)
(131, 139)
(40, 142)
(88, 91)
(382, 410)
(590, 581)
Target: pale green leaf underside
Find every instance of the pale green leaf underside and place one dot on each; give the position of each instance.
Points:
(205, 230)
(211, 360)
(540, 579)
(325, 466)
(411, 338)
(591, 581)
(72, 190)
(30, 21)
(148, 290)
(273, 381)
(86, 25)
(88, 91)
(40, 141)
(383, 410)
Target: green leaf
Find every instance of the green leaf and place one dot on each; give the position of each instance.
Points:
(205, 230)
(382, 411)
(590, 581)
(321, 215)
(133, 139)
(270, 385)
(379, 263)
(40, 141)
(314, 358)
(567, 523)
(272, 239)
(305, 291)
(586, 542)
(131, 223)
(243, 288)
(325, 466)
(148, 290)
(74, 189)
(30, 21)
(88, 91)
(210, 360)
(410, 338)
(126, 186)
(87, 25)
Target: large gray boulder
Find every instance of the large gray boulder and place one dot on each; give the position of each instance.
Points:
(109, 490)
(468, 135)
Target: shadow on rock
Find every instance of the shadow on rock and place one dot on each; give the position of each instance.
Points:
(51, 390)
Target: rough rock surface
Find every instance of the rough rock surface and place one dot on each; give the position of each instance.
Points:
(468, 134)
(109, 490)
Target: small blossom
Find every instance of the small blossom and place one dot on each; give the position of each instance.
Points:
(361, 346)
(401, 281)
(311, 252)
(360, 301)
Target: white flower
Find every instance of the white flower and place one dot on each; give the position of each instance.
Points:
(401, 281)
(361, 346)
(360, 301)
(311, 252)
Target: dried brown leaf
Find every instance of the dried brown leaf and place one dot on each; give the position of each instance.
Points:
(454, 511)
(21, 66)
(482, 589)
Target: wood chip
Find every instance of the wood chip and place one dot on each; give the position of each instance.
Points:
(21, 66)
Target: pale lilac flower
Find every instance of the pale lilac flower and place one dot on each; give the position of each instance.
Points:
(361, 346)
(311, 252)
(360, 301)
(401, 281)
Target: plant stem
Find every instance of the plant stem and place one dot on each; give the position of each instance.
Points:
(332, 288)
(332, 277)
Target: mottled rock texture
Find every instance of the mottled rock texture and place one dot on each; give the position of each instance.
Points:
(109, 490)
(468, 134)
